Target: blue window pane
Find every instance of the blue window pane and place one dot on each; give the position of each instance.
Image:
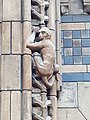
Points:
(72, 77)
(67, 34)
(76, 34)
(85, 33)
(86, 76)
(76, 42)
(76, 77)
(77, 51)
(67, 43)
(86, 51)
(86, 59)
(67, 51)
(68, 60)
(85, 42)
(66, 18)
(81, 18)
(77, 60)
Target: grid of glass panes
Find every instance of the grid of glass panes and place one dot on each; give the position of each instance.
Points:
(75, 47)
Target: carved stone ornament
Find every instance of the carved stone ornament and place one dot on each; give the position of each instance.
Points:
(44, 55)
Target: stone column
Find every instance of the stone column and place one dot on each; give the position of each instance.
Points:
(10, 59)
(58, 45)
(26, 62)
(52, 92)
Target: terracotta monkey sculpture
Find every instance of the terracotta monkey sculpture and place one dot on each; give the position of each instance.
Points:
(45, 59)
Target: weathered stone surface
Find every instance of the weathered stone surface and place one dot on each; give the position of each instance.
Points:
(26, 34)
(73, 68)
(11, 10)
(5, 105)
(27, 105)
(15, 105)
(0, 72)
(51, 24)
(0, 38)
(73, 26)
(84, 98)
(53, 108)
(27, 76)
(76, 6)
(68, 95)
(1, 10)
(26, 9)
(70, 114)
(88, 66)
(10, 72)
(5, 38)
(16, 37)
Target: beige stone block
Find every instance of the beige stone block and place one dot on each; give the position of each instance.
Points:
(5, 38)
(52, 17)
(27, 75)
(26, 6)
(26, 34)
(0, 104)
(88, 68)
(0, 72)
(73, 68)
(16, 37)
(5, 105)
(86, 1)
(73, 26)
(0, 38)
(27, 105)
(84, 98)
(1, 10)
(68, 95)
(11, 10)
(70, 114)
(15, 105)
(88, 25)
(10, 72)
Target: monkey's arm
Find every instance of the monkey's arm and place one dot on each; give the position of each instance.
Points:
(35, 46)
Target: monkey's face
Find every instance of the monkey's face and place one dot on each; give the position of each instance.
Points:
(42, 35)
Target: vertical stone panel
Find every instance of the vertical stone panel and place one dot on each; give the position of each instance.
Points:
(11, 10)
(5, 105)
(27, 75)
(15, 105)
(84, 98)
(10, 72)
(26, 34)
(16, 37)
(0, 10)
(0, 72)
(6, 38)
(0, 38)
(26, 10)
(27, 105)
(51, 23)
